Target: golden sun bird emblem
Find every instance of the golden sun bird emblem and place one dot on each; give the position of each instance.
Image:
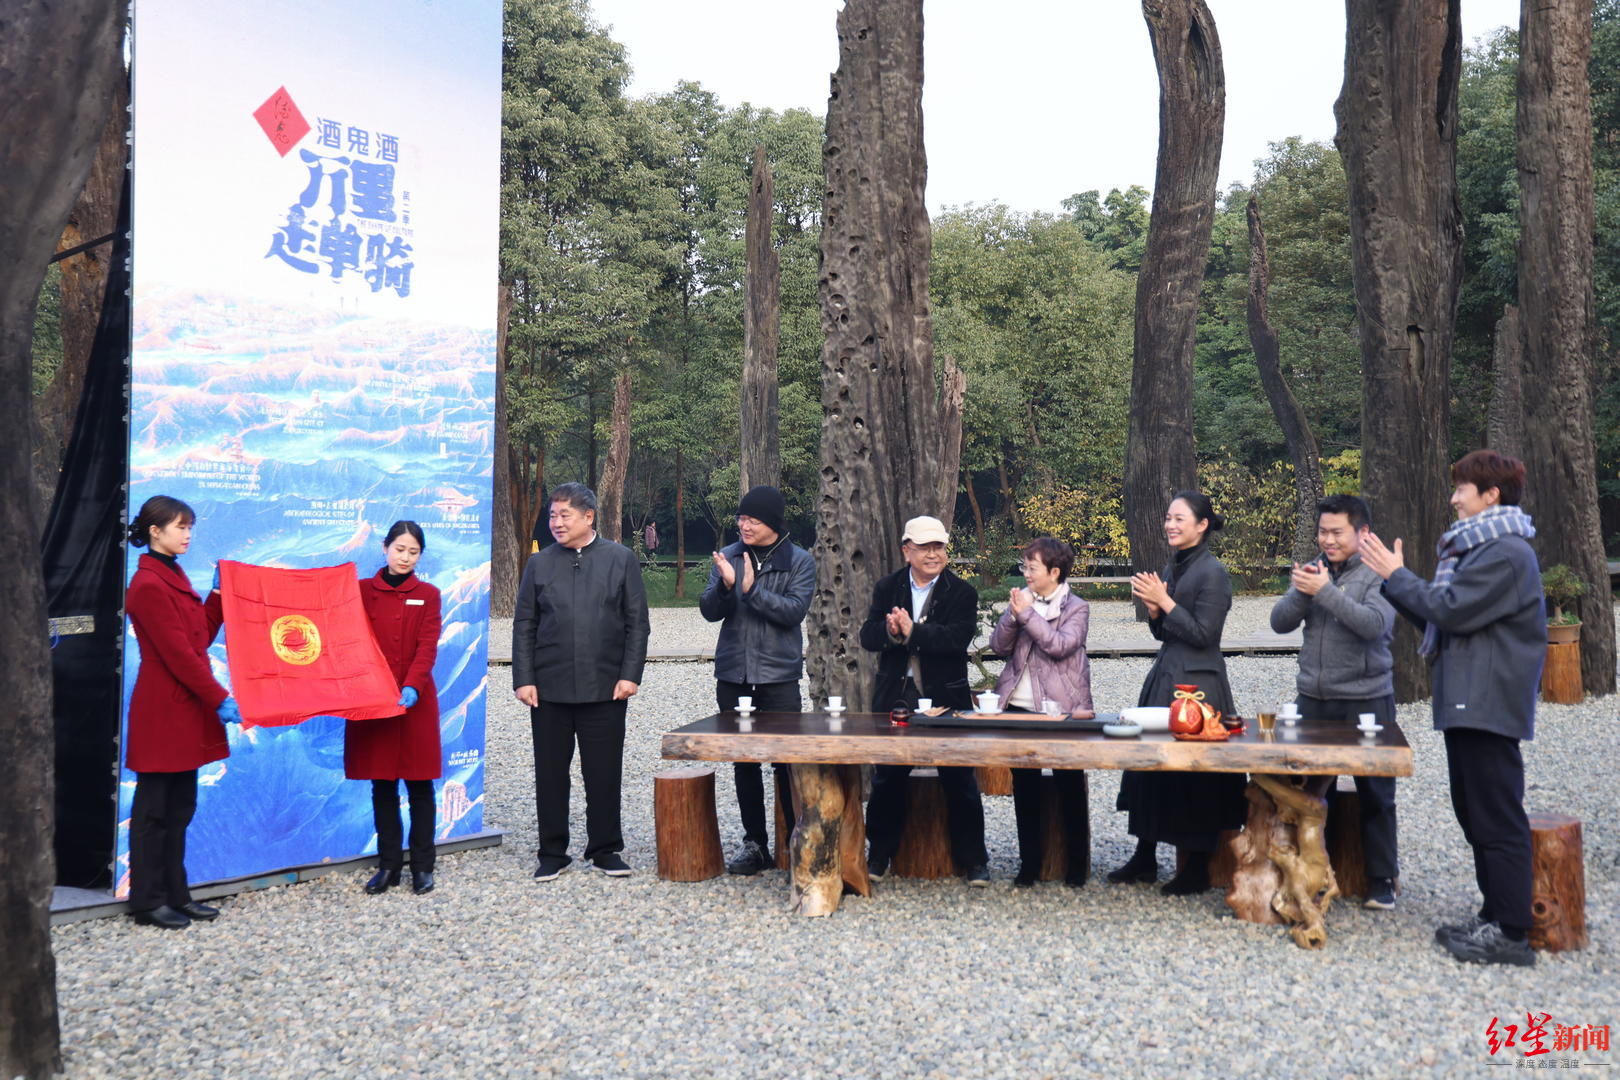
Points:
(296, 639)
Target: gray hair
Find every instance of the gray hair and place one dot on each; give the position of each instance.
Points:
(577, 495)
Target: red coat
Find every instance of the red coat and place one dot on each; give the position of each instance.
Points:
(174, 723)
(406, 623)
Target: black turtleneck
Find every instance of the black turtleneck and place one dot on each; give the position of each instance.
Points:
(394, 580)
(169, 560)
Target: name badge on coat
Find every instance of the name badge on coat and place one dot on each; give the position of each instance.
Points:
(415, 603)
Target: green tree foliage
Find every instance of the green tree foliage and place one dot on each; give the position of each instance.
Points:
(1040, 319)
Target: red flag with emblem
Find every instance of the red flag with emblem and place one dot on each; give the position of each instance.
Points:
(299, 645)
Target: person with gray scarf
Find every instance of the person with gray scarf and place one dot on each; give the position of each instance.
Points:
(1485, 636)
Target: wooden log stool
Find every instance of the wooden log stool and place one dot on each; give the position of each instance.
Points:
(1561, 676)
(994, 779)
(687, 830)
(1557, 883)
(925, 843)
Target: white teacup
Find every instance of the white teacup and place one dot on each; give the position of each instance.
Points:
(924, 704)
(989, 702)
(745, 704)
(1367, 721)
(1050, 707)
(1289, 713)
(835, 703)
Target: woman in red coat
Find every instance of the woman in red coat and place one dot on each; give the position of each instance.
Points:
(177, 714)
(404, 612)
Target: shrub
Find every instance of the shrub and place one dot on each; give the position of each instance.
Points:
(1562, 589)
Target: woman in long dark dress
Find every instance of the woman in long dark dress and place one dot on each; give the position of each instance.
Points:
(1187, 608)
(405, 617)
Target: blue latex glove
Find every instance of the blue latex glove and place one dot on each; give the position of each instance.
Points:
(215, 585)
(228, 711)
(409, 697)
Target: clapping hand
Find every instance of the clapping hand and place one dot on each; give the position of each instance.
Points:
(748, 572)
(898, 622)
(1308, 579)
(1019, 601)
(1151, 590)
(1380, 559)
(728, 573)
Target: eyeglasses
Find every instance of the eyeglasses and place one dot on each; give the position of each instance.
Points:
(1029, 569)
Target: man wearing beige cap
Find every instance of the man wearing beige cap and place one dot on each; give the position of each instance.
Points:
(922, 620)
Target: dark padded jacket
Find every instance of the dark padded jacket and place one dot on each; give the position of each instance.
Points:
(761, 640)
(581, 622)
(1493, 636)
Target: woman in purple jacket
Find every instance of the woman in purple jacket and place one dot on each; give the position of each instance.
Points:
(1043, 636)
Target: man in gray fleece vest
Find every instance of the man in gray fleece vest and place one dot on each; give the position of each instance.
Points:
(1345, 667)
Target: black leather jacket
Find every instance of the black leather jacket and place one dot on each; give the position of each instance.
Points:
(760, 636)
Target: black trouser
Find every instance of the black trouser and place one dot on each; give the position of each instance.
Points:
(390, 833)
(599, 728)
(748, 776)
(1487, 793)
(164, 805)
(1072, 804)
(1378, 837)
(964, 813)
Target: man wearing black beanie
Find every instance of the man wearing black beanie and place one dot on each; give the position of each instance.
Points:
(759, 591)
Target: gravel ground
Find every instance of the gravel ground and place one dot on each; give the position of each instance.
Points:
(497, 975)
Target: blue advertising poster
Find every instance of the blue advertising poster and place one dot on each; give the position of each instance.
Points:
(316, 194)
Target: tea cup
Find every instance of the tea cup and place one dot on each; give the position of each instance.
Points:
(988, 701)
(924, 704)
(835, 704)
(745, 704)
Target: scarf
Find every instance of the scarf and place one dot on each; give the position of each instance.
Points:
(1464, 536)
(1051, 607)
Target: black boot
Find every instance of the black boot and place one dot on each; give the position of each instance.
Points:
(421, 881)
(382, 881)
(1143, 865)
(1192, 878)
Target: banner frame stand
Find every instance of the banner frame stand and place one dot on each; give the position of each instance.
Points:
(71, 905)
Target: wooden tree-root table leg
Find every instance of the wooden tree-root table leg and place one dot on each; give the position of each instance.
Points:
(1282, 861)
(829, 839)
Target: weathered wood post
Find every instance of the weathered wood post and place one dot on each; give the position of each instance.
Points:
(1554, 127)
(882, 430)
(1192, 115)
(1397, 133)
(760, 461)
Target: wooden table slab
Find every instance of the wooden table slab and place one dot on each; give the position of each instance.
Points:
(821, 749)
(1306, 748)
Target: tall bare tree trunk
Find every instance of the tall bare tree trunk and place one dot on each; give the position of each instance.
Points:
(508, 543)
(761, 458)
(1296, 428)
(1192, 115)
(610, 497)
(1397, 132)
(680, 525)
(1506, 422)
(1555, 299)
(952, 392)
(881, 429)
(59, 62)
(84, 286)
